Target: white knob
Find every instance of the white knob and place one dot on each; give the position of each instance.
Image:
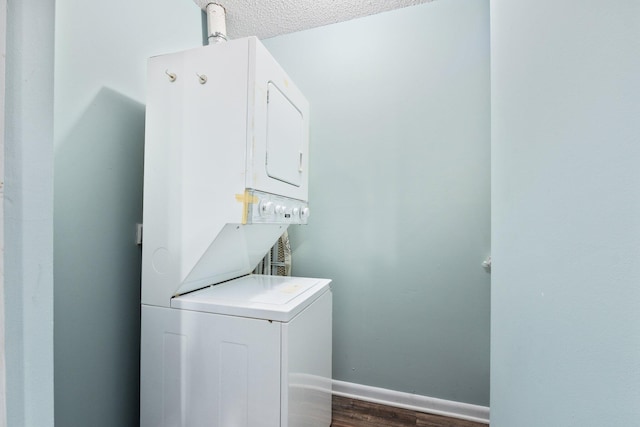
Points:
(280, 209)
(304, 213)
(295, 212)
(266, 208)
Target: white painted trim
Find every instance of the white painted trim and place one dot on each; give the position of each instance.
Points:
(3, 51)
(413, 402)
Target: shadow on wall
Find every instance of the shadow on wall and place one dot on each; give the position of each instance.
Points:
(97, 203)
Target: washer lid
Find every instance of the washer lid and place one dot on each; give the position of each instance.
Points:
(262, 297)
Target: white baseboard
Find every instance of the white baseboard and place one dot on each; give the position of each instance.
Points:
(413, 402)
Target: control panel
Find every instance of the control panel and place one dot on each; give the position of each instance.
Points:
(269, 208)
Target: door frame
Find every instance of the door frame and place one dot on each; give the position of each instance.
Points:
(3, 50)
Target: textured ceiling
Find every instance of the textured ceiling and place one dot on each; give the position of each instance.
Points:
(274, 17)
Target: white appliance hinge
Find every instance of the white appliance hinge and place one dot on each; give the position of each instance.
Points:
(139, 234)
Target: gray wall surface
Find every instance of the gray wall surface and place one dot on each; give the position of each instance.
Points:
(3, 54)
(98, 199)
(100, 66)
(566, 213)
(28, 212)
(400, 193)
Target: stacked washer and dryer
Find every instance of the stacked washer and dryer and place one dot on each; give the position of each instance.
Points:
(226, 172)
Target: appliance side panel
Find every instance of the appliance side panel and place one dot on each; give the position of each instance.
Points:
(174, 377)
(306, 372)
(156, 324)
(213, 140)
(161, 211)
(203, 369)
(195, 166)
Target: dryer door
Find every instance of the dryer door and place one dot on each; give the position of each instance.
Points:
(284, 138)
(277, 131)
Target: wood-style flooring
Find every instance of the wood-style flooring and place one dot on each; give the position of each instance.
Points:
(356, 413)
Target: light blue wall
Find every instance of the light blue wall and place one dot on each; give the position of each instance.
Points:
(566, 213)
(399, 193)
(100, 66)
(28, 206)
(409, 108)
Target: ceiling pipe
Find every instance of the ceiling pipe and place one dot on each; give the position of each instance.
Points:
(216, 21)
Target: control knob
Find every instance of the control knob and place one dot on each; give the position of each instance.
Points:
(266, 208)
(304, 213)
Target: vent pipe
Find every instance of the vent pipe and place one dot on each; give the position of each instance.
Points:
(216, 21)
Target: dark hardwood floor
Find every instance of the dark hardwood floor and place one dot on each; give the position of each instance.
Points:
(357, 413)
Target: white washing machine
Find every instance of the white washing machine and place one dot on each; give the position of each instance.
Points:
(251, 352)
(226, 172)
